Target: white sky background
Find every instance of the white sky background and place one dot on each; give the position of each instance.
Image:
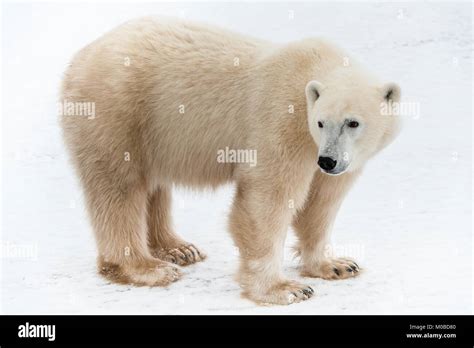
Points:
(408, 219)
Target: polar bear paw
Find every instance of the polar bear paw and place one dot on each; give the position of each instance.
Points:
(284, 293)
(333, 269)
(148, 273)
(182, 255)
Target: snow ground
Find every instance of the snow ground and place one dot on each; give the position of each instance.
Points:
(407, 221)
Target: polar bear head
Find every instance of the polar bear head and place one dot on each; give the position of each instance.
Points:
(349, 120)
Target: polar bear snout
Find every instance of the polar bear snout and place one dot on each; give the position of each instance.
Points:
(326, 163)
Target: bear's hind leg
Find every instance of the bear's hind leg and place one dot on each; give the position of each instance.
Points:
(119, 221)
(163, 241)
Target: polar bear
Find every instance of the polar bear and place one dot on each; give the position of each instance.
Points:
(170, 96)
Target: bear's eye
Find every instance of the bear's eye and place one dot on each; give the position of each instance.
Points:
(353, 124)
(320, 125)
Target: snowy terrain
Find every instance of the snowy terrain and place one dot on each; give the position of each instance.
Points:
(407, 221)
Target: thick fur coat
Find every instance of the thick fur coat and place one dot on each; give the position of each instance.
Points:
(169, 96)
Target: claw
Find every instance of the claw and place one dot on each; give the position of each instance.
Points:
(188, 254)
(183, 255)
(195, 252)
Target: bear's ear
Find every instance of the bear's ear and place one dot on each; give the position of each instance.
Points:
(313, 91)
(391, 92)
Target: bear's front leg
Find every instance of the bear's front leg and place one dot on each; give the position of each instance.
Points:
(313, 223)
(258, 222)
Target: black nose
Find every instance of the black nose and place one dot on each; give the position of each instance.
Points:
(327, 163)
